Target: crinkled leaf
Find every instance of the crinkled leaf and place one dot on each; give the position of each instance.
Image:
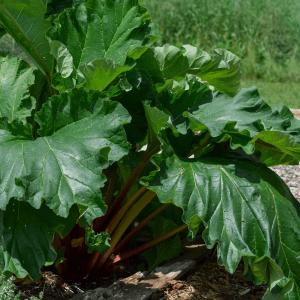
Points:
(165, 251)
(245, 206)
(277, 148)
(157, 120)
(26, 235)
(65, 165)
(100, 73)
(15, 78)
(132, 91)
(55, 7)
(115, 28)
(245, 120)
(285, 113)
(25, 22)
(63, 57)
(62, 84)
(221, 70)
(97, 242)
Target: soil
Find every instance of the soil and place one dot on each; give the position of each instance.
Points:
(207, 280)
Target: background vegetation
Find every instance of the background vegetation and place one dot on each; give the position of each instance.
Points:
(264, 33)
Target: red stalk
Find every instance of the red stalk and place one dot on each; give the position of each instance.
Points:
(148, 245)
(115, 221)
(126, 187)
(110, 192)
(111, 188)
(121, 228)
(121, 196)
(127, 239)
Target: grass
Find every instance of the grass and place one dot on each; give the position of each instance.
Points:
(265, 34)
(278, 92)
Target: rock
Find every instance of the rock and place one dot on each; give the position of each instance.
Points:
(139, 287)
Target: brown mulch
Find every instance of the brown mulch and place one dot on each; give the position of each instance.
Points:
(208, 280)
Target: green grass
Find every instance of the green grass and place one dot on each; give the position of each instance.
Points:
(279, 92)
(264, 34)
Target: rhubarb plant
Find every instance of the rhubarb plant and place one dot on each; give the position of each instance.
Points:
(108, 135)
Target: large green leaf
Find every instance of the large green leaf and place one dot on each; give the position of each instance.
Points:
(26, 235)
(221, 70)
(116, 29)
(81, 132)
(245, 207)
(15, 78)
(245, 120)
(24, 21)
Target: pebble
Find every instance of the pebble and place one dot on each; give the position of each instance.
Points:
(291, 176)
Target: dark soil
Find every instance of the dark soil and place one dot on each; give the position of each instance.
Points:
(207, 280)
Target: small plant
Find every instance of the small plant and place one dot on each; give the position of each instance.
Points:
(7, 289)
(73, 176)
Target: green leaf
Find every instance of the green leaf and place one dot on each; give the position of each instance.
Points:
(25, 22)
(285, 113)
(134, 89)
(100, 73)
(277, 148)
(62, 84)
(221, 70)
(15, 78)
(245, 207)
(81, 132)
(25, 230)
(2, 32)
(246, 120)
(165, 251)
(40, 89)
(60, 256)
(157, 120)
(117, 29)
(96, 242)
(55, 7)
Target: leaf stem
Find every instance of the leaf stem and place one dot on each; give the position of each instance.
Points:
(115, 221)
(126, 187)
(149, 245)
(111, 188)
(122, 227)
(127, 239)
